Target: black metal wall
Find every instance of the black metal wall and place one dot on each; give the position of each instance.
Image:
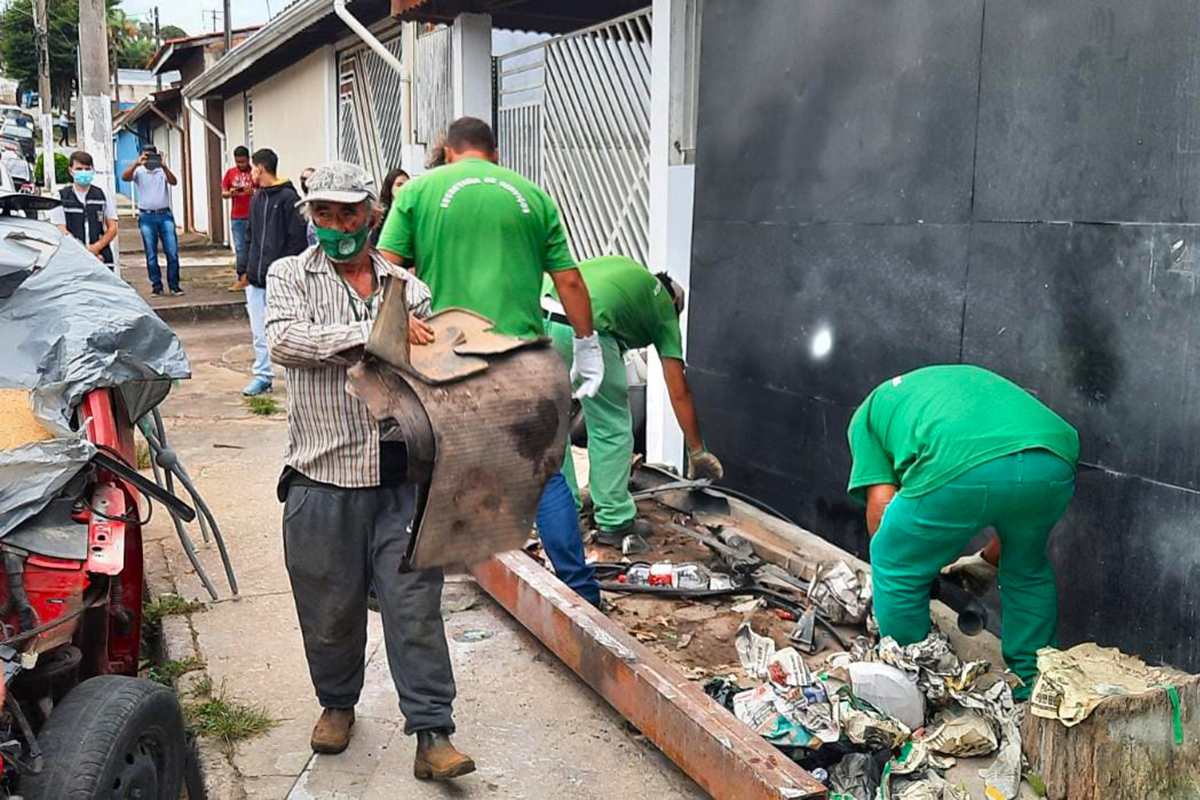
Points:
(1011, 184)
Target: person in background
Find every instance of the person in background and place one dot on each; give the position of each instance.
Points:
(276, 231)
(310, 230)
(939, 454)
(64, 127)
(631, 308)
(86, 212)
(152, 179)
(391, 184)
(348, 502)
(238, 187)
(483, 237)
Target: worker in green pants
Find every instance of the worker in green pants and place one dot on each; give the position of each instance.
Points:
(631, 308)
(940, 454)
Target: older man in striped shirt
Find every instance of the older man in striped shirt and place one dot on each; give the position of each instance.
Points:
(348, 505)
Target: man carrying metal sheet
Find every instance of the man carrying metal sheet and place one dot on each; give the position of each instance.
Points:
(483, 237)
(940, 454)
(631, 308)
(349, 505)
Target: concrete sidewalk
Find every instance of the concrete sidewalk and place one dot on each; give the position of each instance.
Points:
(535, 730)
(205, 273)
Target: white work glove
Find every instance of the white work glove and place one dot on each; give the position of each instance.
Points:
(703, 464)
(588, 368)
(975, 573)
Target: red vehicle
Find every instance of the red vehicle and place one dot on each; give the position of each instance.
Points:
(80, 723)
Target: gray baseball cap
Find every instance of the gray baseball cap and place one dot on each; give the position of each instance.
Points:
(339, 182)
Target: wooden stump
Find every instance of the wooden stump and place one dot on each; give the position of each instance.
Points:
(1124, 751)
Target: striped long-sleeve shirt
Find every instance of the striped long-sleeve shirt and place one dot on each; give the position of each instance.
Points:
(312, 317)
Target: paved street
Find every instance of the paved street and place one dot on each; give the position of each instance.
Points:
(535, 730)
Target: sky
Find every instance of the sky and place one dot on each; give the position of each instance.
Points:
(194, 15)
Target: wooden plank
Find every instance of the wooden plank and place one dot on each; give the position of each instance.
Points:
(722, 755)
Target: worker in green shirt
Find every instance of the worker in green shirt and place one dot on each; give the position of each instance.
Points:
(482, 237)
(631, 308)
(940, 454)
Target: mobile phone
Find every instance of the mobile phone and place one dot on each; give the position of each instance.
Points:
(153, 161)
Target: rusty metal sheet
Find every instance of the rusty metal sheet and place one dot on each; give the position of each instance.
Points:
(498, 437)
(722, 755)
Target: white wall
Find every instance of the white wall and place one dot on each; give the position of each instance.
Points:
(290, 114)
(198, 180)
(170, 144)
(235, 123)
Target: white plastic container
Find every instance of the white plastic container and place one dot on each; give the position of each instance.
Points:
(889, 690)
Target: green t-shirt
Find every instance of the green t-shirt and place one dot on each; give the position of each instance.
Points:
(923, 429)
(481, 237)
(631, 304)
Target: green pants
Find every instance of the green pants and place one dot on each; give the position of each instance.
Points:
(610, 433)
(1021, 496)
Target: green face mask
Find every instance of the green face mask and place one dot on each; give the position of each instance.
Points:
(342, 246)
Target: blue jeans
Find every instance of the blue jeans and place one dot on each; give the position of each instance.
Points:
(241, 242)
(558, 526)
(159, 226)
(256, 310)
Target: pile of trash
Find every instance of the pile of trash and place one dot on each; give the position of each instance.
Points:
(884, 721)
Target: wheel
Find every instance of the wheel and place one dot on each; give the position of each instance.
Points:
(112, 737)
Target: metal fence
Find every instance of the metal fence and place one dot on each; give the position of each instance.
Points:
(433, 87)
(574, 114)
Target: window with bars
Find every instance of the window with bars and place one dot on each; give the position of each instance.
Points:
(248, 112)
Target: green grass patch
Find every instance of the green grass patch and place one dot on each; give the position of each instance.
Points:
(143, 454)
(216, 715)
(169, 672)
(169, 605)
(262, 405)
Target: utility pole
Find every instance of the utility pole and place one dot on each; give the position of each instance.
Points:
(94, 121)
(228, 28)
(41, 26)
(157, 47)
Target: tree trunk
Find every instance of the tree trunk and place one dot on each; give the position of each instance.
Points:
(1125, 749)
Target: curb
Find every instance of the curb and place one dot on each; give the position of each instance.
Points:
(221, 779)
(201, 312)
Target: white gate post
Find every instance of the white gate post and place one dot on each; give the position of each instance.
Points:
(472, 64)
(671, 196)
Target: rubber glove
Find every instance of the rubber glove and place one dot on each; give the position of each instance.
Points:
(974, 571)
(588, 368)
(703, 464)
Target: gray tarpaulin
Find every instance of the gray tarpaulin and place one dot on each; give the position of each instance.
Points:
(68, 325)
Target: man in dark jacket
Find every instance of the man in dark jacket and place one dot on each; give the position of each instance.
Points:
(276, 230)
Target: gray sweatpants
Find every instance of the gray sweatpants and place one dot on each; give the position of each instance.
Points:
(337, 542)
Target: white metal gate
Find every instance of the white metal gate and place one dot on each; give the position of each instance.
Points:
(574, 115)
(434, 86)
(370, 110)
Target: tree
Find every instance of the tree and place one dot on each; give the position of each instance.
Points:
(18, 46)
(172, 32)
(132, 41)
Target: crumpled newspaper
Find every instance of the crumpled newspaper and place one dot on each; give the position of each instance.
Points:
(1072, 683)
(915, 774)
(753, 651)
(791, 708)
(840, 594)
(944, 677)
(868, 728)
(934, 666)
(961, 733)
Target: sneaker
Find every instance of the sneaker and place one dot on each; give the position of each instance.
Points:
(156, 292)
(256, 387)
(177, 292)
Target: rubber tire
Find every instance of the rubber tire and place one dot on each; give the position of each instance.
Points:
(84, 740)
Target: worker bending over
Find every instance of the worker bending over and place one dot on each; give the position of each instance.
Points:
(349, 505)
(483, 237)
(631, 308)
(940, 454)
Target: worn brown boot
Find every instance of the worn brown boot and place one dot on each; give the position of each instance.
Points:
(438, 759)
(331, 734)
